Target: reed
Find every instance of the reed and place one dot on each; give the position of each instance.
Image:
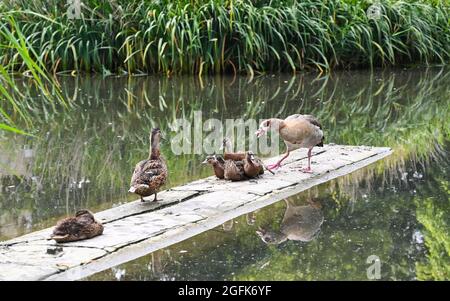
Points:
(218, 36)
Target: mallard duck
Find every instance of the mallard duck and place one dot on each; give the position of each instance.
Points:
(253, 166)
(301, 223)
(150, 174)
(81, 226)
(218, 164)
(234, 170)
(228, 153)
(297, 131)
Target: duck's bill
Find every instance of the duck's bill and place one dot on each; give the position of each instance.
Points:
(205, 162)
(260, 132)
(132, 189)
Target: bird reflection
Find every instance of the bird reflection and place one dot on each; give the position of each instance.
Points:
(301, 223)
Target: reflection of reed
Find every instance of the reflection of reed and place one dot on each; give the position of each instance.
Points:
(105, 129)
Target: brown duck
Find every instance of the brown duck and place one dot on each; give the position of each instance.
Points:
(253, 166)
(228, 153)
(150, 174)
(218, 164)
(234, 170)
(297, 131)
(81, 226)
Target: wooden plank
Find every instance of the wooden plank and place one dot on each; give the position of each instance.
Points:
(135, 229)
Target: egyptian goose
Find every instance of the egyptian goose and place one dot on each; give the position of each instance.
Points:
(81, 226)
(150, 174)
(300, 223)
(297, 131)
(218, 164)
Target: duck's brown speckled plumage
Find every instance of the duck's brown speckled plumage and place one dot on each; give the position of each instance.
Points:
(228, 153)
(234, 170)
(253, 166)
(81, 226)
(218, 165)
(150, 174)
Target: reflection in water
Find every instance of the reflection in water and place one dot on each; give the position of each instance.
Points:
(403, 222)
(82, 157)
(301, 223)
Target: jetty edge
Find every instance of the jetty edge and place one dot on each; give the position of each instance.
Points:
(135, 229)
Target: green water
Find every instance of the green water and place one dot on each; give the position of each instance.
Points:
(83, 156)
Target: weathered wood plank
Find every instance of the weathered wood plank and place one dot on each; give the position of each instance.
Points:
(136, 229)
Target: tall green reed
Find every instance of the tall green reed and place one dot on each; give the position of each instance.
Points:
(217, 36)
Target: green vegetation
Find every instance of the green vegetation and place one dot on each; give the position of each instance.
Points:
(222, 36)
(16, 109)
(433, 213)
(106, 129)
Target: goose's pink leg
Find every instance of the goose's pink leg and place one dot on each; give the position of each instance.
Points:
(278, 164)
(308, 169)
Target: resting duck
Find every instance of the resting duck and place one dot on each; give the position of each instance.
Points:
(81, 226)
(234, 170)
(301, 223)
(218, 164)
(297, 131)
(253, 166)
(228, 153)
(150, 174)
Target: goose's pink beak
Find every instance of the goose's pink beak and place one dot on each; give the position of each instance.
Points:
(260, 132)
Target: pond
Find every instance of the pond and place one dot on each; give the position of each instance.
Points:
(398, 210)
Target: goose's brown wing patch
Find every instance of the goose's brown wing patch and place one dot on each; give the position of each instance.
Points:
(312, 120)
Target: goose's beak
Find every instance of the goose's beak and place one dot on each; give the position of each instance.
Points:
(132, 189)
(260, 132)
(205, 162)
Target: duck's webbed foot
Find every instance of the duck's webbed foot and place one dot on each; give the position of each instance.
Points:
(142, 199)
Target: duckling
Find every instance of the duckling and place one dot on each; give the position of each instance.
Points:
(253, 166)
(234, 170)
(150, 174)
(218, 164)
(228, 153)
(297, 131)
(82, 226)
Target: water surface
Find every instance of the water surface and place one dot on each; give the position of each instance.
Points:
(83, 156)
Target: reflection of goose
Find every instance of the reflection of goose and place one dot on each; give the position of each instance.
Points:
(300, 223)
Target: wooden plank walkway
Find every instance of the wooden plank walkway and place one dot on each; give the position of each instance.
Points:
(135, 229)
